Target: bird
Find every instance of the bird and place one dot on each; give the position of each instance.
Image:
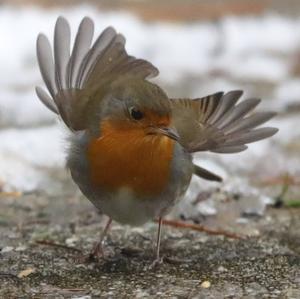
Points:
(131, 146)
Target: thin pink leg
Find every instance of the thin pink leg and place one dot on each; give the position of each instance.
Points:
(98, 249)
(158, 238)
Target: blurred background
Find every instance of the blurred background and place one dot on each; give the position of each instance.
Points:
(200, 47)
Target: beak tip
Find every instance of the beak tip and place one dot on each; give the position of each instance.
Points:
(171, 133)
(166, 131)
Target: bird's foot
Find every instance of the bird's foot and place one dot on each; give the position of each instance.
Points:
(95, 255)
(156, 263)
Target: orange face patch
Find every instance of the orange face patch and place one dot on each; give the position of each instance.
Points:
(154, 119)
(125, 156)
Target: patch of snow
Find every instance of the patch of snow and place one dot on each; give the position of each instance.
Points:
(43, 147)
(287, 92)
(16, 175)
(268, 33)
(289, 129)
(254, 67)
(25, 156)
(22, 108)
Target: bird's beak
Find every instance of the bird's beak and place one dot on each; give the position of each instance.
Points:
(166, 131)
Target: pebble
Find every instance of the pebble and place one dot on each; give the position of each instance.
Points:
(242, 220)
(71, 241)
(205, 284)
(7, 249)
(222, 269)
(21, 248)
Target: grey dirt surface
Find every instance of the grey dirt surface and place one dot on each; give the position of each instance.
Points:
(42, 238)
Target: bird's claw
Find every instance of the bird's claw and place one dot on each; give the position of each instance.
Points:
(95, 255)
(156, 263)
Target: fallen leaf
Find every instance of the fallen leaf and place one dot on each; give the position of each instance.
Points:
(26, 272)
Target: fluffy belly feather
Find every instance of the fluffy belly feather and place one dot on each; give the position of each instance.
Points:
(124, 204)
(127, 208)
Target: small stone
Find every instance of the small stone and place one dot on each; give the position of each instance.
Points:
(222, 269)
(7, 249)
(242, 220)
(21, 248)
(205, 284)
(71, 241)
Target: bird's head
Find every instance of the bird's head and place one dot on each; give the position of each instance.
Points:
(137, 107)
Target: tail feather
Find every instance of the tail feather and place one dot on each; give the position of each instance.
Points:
(206, 174)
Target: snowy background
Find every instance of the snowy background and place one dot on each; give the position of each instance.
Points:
(257, 53)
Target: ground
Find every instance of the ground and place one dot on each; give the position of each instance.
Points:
(45, 236)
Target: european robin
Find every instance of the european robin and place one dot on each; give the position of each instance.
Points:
(131, 147)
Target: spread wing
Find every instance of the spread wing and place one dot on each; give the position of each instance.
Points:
(218, 124)
(71, 77)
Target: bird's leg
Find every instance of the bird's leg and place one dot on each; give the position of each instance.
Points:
(158, 260)
(97, 251)
(158, 238)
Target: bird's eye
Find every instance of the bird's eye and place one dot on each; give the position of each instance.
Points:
(135, 113)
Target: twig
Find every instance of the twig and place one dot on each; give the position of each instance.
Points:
(10, 194)
(201, 228)
(32, 222)
(50, 243)
(279, 200)
(285, 179)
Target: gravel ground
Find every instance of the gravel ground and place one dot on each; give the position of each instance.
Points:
(196, 265)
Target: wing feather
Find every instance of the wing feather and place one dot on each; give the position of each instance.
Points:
(46, 99)
(106, 38)
(218, 123)
(46, 63)
(237, 112)
(62, 38)
(228, 101)
(82, 45)
(73, 79)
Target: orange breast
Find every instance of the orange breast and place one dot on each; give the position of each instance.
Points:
(130, 159)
